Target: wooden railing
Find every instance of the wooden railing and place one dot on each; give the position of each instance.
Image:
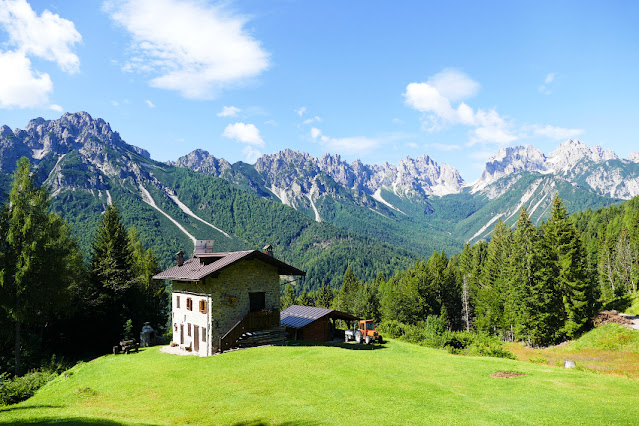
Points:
(253, 321)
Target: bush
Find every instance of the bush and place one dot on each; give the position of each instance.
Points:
(18, 389)
(433, 333)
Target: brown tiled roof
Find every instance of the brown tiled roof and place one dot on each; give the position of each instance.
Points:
(194, 270)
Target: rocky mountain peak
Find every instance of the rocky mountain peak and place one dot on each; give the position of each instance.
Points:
(201, 161)
(511, 160)
(569, 153)
(633, 157)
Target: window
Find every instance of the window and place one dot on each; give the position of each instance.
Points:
(203, 334)
(188, 329)
(189, 304)
(175, 327)
(203, 306)
(177, 301)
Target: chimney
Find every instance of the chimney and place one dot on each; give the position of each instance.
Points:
(268, 250)
(180, 258)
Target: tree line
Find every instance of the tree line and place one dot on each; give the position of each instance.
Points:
(537, 284)
(51, 302)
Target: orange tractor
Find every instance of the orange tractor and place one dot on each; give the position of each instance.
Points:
(366, 333)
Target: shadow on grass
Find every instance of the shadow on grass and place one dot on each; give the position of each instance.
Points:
(339, 344)
(9, 408)
(63, 421)
(264, 423)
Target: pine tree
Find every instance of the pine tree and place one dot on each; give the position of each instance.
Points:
(568, 264)
(40, 261)
(150, 296)
(288, 298)
(324, 297)
(304, 300)
(492, 291)
(345, 300)
(112, 278)
(528, 305)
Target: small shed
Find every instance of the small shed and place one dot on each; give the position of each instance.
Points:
(311, 323)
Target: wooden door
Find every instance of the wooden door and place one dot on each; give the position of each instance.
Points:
(196, 338)
(257, 301)
(181, 334)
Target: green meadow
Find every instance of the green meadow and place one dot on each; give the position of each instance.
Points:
(397, 383)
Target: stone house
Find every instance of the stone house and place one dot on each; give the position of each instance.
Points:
(218, 297)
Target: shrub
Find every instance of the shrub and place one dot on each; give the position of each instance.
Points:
(20, 388)
(433, 333)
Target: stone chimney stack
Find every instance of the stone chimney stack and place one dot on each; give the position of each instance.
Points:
(268, 250)
(180, 258)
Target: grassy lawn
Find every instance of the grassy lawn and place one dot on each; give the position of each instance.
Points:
(610, 349)
(399, 383)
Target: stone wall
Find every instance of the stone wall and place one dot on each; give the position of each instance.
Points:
(227, 300)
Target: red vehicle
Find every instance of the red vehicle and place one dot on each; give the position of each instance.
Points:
(365, 333)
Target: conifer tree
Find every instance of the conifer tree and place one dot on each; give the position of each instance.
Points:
(492, 291)
(324, 296)
(567, 261)
(40, 260)
(345, 300)
(527, 309)
(112, 278)
(304, 300)
(288, 298)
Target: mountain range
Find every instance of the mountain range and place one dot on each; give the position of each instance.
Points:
(321, 213)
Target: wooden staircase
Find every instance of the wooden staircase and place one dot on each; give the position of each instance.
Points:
(273, 336)
(255, 329)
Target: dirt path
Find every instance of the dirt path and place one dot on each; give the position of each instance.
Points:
(634, 319)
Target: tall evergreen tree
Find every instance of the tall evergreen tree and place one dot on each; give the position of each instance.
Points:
(288, 298)
(324, 297)
(528, 307)
(566, 259)
(493, 289)
(40, 260)
(151, 295)
(112, 279)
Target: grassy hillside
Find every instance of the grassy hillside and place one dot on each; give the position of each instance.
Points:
(610, 349)
(396, 384)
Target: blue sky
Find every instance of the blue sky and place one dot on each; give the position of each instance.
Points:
(374, 80)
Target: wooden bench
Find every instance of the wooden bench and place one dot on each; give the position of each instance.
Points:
(126, 346)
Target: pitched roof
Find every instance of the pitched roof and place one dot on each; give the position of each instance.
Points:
(297, 316)
(194, 270)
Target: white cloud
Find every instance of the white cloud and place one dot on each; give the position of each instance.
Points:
(350, 145)
(435, 99)
(115, 103)
(229, 111)
(251, 154)
(557, 133)
(312, 120)
(545, 87)
(300, 111)
(56, 107)
(245, 133)
(149, 103)
(47, 37)
(454, 85)
(22, 87)
(188, 46)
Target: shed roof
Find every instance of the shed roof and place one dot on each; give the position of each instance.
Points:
(194, 270)
(297, 316)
